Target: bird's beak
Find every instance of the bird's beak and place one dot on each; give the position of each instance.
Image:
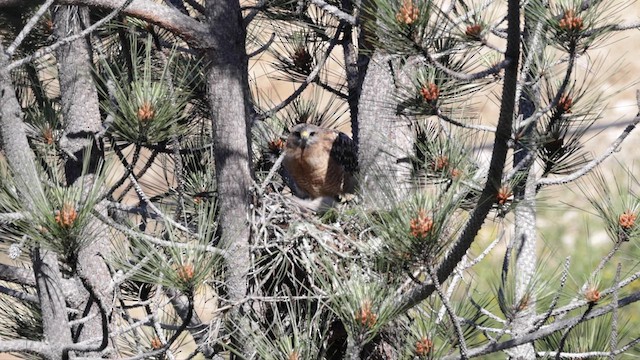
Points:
(304, 136)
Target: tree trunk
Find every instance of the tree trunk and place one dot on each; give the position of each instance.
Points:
(383, 136)
(525, 239)
(81, 113)
(45, 264)
(80, 106)
(228, 94)
(525, 234)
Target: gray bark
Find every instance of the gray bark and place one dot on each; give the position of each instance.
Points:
(80, 108)
(228, 96)
(525, 234)
(81, 113)
(383, 136)
(525, 239)
(45, 263)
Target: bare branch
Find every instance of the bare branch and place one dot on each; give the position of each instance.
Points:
(463, 125)
(591, 354)
(192, 31)
(51, 48)
(452, 314)
(19, 294)
(178, 245)
(550, 329)
(27, 27)
(17, 275)
(333, 10)
(25, 346)
(595, 162)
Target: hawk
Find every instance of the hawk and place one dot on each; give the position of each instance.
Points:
(322, 162)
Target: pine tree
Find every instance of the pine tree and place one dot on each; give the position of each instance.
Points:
(146, 212)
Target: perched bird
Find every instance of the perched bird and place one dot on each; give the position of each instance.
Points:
(322, 162)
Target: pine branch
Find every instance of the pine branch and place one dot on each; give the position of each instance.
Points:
(452, 314)
(463, 125)
(550, 329)
(17, 275)
(25, 346)
(500, 148)
(554, 302)
(19, 294)
(28, 27)
(51, 48)
(595, 162)
(310, 79)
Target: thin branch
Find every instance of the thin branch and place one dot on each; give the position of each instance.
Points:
(271, 173)
(556, 99)
(89, 345)
(28, 27)
(486, 312)
(549, 329)
(593, 163)
(554, 302)
(17, 275)
(333, 10)
(606, 28)
(264, 47)
(310, 79)
(613, 344)
(19, 295)
(332, 90)
(519, 166)
(470, 77)
(567, 331)
(452, 314)
(485, 252)
(168, 344)
(575, 304)
(602, 264)
(155, 209)
(463, 125)
(51, 48)
(165, 243)
(254, 12)
(591, 354)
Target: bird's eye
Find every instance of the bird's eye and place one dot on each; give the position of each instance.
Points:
(312, 133)
(296, 133)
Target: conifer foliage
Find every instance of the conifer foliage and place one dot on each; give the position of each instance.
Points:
(145, 212)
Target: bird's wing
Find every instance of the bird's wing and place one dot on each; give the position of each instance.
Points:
(344, 152)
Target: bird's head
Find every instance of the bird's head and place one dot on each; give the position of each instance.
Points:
(302, 135)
